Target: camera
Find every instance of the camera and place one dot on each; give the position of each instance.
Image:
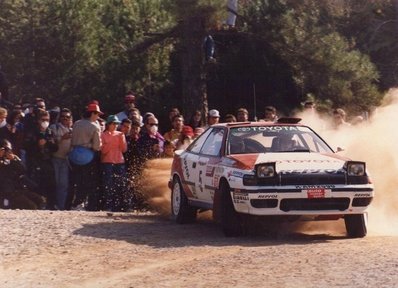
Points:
(5, 149)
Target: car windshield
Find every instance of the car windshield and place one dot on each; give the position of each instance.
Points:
(274, 139)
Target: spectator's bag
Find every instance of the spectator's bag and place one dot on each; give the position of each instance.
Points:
(81, 155)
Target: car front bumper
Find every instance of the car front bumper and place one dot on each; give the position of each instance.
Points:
(321, 200)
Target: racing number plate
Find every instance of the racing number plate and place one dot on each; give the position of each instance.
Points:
(316, 193)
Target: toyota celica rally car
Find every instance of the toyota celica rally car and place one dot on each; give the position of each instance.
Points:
(249, 169)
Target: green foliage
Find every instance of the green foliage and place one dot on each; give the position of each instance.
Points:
(342, 52)
(372, 26)
(323, 61)
(73, 51)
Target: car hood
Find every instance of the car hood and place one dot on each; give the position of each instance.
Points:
(302, 161)
(292, 161)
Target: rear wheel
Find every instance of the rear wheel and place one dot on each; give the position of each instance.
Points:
(231, 221)
(181, 211)
(356, 225)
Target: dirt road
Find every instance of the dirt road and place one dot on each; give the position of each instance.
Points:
(86, 249)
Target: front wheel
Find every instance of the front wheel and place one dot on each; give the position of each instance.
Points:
(181, 211)
(231, 221)
(356, 225)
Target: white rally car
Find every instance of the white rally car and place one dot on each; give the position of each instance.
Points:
(263, 169)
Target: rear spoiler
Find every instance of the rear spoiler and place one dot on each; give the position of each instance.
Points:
(288, 120)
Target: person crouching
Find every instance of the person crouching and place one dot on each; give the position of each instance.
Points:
(15, 187)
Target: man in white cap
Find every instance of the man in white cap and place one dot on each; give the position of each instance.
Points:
(213, 117)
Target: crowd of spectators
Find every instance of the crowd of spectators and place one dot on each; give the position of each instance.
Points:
(50, 161)
(93, 163)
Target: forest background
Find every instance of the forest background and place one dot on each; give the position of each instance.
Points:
(341, 53)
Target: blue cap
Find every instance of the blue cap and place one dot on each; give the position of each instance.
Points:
(112, 119)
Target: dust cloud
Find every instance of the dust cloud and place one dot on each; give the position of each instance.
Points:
(374, 141)
(154, 184)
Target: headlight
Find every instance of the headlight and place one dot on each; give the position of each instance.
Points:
(266, 170)
(356, 168)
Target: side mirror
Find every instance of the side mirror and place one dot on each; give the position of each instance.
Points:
(339, 149)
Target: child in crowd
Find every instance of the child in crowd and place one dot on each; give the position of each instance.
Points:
(169, 148)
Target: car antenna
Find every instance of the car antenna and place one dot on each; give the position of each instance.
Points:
(254, 102)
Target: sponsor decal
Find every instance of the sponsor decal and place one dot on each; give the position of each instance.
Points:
(312, 171)
(216, 179)
(186, 169)
(202, 163)
(239, 196)
(210, 171)
(308, 187)
(308, 161)
(267, 128)
(240, 199)
(316, 193)
(267, 196)
(237, 174)
(362, 195)
(200, 181)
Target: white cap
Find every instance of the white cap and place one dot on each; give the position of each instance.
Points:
(214, 113)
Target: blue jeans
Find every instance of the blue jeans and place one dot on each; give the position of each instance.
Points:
(61, 169)
(114, 185)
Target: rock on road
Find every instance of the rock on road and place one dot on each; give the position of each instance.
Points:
(93, 249)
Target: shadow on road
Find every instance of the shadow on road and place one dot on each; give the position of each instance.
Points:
(158, 232)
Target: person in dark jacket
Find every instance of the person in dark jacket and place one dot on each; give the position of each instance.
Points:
(39, 144)
(15, 187)
(132, 158)
(13, 131)
(150, 144)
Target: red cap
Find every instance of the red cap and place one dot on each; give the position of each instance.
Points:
(187, 131)
(94, 102)
(94, 108)
(130, 98)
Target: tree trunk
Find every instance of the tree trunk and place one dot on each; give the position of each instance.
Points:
(194, 91)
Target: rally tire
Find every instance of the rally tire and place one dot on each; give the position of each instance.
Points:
(181, 211)
(356, 225)
(231, 221)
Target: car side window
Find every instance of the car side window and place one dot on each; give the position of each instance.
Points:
(213, 143)
(198, 143)
(314, 144)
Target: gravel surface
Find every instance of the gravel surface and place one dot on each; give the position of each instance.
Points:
(96, 249)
